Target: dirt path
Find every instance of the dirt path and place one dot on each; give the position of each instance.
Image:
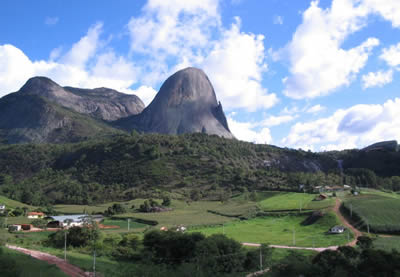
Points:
(356, 232)
(69, 269)
(318, 249)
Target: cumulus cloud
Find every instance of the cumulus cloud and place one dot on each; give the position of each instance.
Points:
(316, 109)
(377, 79)
(388, 9)
(276, 120)
(189, 33)
(235, 66)
(391, 55)
(357, 126)
(85, 64)
(247, 131)
(318, 63)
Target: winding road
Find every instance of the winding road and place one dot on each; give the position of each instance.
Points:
(66, 267)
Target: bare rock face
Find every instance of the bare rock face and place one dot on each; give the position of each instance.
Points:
(101, 103)
(186, 103)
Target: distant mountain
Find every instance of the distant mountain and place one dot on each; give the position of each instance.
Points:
(390, 146)
(101, 103)
(32, 118)
(186, 103)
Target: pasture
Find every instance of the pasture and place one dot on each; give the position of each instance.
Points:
(387, 243)
(380, 212)
(284, 201)
(285, 230)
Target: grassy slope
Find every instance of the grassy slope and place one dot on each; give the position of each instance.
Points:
(12, 203)
(33, 267)
(376, 209)
(279, 230)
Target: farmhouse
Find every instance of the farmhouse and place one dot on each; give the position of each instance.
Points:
(337, 229)
(68, 220)
(35, 215)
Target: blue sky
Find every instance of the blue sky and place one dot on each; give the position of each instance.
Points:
(317, 75)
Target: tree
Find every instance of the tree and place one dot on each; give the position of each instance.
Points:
(364, 242)
(166, 201)
(39, 223)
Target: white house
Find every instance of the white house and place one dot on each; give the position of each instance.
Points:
(337, 229)
(2, 207)
(69, 220)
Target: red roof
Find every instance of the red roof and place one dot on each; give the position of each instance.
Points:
(35, 213)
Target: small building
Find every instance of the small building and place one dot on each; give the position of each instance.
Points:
(14, 228)
(347, 187)
(68, 220)
(163, 228)
(181, 229)
(320, 197)
(2, 207)
(337, 229)
(36, 215)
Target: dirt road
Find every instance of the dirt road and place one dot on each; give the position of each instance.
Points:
(69, 269)
(356, 232)
(318, 249)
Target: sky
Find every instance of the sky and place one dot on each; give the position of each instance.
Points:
(316, 75)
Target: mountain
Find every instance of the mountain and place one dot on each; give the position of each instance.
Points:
(186, 103)
(32, 118)
(390, 146)
(101, 103)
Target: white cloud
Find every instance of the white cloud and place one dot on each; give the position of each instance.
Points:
(316, 109)
(235, 66)
(388, 9)
(319, 64)
(276, 120)
(246, 131)
(377, 79)
(84, 65)
(357, 126)
(391, 55)
(278, 20)
(51, 20)
(85, 48)
(145, 93)
(189, 33)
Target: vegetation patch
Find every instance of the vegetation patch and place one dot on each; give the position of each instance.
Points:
(379, 212)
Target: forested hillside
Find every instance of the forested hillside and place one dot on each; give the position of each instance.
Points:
(148, 165)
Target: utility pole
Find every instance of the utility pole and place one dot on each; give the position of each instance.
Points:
(368, 226)
(301, 204)
(313, 242)
(294, 236)
(129, 221)
(65, 245)
(223, 228)
(351, 210)
(348, 235)
(261, 267)
(94, 263)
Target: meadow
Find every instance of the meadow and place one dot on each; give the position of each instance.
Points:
(285, 230)
(387, 243)
(378, 211)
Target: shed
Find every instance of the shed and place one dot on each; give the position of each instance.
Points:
(337, 229)
(14, 228)
(70, 220)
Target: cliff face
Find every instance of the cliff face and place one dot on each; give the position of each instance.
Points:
(186, 103)
(101, 103)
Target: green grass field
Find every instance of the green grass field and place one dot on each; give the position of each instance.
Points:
(380, 212)
(387, 243)
(32, 267)
(279, 230)
(293, 201)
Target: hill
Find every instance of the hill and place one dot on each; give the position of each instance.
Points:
(126, 167)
